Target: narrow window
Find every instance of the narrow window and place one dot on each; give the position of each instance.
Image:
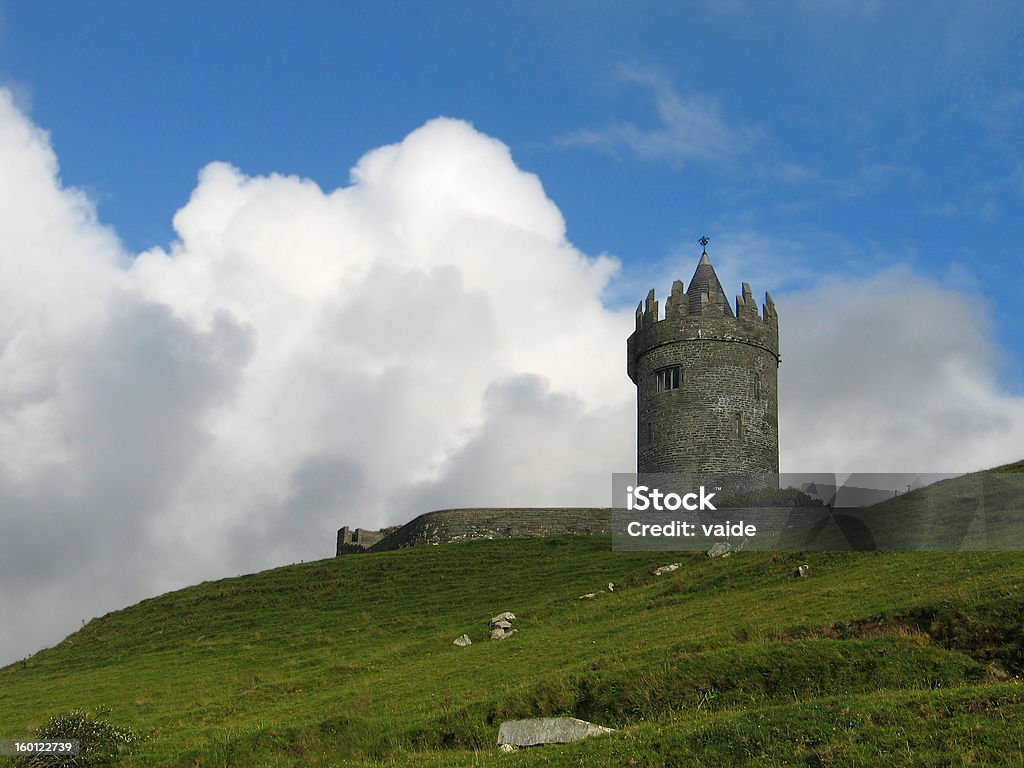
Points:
(757, 386)
(667, 378)
(650, 431)
(738, 426)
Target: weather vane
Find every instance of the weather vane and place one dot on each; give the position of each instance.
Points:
(704, 243)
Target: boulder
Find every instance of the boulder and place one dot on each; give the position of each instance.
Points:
(803, 571)
(501, 626)
(720, 549)
(588, 596)
(547, 730)
(463, 640)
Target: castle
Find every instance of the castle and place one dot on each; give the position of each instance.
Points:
(707, 401)
(706, 380)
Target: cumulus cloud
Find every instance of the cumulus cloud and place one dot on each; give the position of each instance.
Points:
(893, 373)
(298, 359)
(383, 313)
(422, 337)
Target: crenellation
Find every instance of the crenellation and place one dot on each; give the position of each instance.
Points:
(746, 306)
(770, 315)
(651, 308)
(677, 304)
(705, 303)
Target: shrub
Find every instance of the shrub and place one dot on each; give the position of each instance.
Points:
(101, 743)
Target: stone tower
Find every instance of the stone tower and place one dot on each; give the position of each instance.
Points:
(706, 380)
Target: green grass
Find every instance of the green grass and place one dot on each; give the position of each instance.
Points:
(978, 511)
(894, 658)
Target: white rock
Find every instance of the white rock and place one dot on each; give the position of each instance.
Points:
(666, 568)
(720, 549)
(547, 730)
(463, 641)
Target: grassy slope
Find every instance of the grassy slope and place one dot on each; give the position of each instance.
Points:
(351, 659)
(977, 511)
(894, 658)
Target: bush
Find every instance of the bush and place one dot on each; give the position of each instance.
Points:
(100, 743)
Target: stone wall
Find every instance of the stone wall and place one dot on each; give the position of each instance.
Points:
(360, 539)
(446, 526)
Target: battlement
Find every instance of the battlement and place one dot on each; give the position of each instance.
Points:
(680, 306)
(703, 316)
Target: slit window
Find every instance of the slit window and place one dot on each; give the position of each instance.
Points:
(668, 378)
(738, 426)
(757, 386)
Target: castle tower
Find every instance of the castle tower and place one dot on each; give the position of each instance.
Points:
(706, 380)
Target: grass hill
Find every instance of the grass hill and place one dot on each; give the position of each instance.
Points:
(981, 511)
(876, 658)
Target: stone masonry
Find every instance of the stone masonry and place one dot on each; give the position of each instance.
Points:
(445, 526)
(707, 380)
(360, 539)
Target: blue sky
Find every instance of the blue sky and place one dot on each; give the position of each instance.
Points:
(274, 268)
(889, 130)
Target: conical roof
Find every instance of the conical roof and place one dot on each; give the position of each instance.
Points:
(706, 281)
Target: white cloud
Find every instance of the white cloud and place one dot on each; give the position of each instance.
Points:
(297, 360)
(892, 373)
(690, 128)
(423, 337)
